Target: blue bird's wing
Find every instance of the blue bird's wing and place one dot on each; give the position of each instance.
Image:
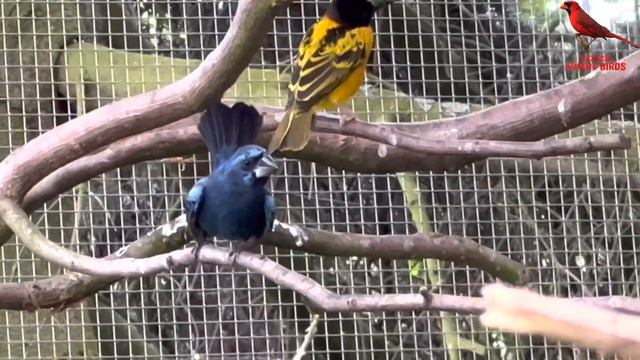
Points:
(270, 211)
(194, 203)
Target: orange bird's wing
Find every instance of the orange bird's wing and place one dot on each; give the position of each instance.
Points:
(327, 58)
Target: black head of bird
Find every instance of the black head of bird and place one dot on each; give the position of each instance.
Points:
(358, 13)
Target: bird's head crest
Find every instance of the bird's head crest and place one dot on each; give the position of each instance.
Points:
(570, 6)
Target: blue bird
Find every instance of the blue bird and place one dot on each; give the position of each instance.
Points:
(232, 203)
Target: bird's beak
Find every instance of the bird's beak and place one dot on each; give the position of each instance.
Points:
(564, 7)
(265, 167)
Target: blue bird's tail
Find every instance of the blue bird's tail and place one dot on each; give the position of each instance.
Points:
(225, 129)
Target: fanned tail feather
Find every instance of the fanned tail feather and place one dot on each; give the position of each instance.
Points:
(224, 129)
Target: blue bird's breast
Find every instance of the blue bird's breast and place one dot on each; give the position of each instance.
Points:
(233, 212)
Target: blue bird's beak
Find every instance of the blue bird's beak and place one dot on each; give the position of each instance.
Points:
(265, 167)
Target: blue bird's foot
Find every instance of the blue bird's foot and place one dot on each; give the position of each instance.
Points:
(200, 240)
(240, 246)
(196, 251)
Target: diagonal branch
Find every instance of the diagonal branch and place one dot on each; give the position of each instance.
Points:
(16, 219)
(29, 164)
(182, 138)
(61, 291)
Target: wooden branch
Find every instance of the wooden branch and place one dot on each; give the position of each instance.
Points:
(18, 221)
(532, 117)
(565, 319)
(31, 163)
(112, 269)
(545, 113)
(183, 138)
(319, 298)
(62, 291)
(459, 250)
(347, 153)
(180, 138)
(549, 116)
(452, 248)
(395, 136)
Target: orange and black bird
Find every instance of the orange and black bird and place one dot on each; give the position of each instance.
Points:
(585, 25)
(329, 70)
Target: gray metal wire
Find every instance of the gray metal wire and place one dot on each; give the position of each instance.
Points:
(571, 218)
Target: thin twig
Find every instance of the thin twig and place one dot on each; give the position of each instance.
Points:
(311, 332)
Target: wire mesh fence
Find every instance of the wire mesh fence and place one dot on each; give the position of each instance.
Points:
(571, 219)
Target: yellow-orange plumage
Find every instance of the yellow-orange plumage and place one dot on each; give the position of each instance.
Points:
(330, 68)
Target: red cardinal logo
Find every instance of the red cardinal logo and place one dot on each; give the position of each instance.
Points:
(585, 25)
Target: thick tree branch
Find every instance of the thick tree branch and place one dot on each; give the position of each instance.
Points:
(64, 290)
(546, 113)
(18, 221)
(319, 298)
(182, 138)
(565, 319)
(109, 270)
(32, 162)
(452, 248)
(347, 153)
(395, 136)
(459, 250)
(61, 291)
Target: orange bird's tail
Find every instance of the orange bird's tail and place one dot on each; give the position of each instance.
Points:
(626, 41)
